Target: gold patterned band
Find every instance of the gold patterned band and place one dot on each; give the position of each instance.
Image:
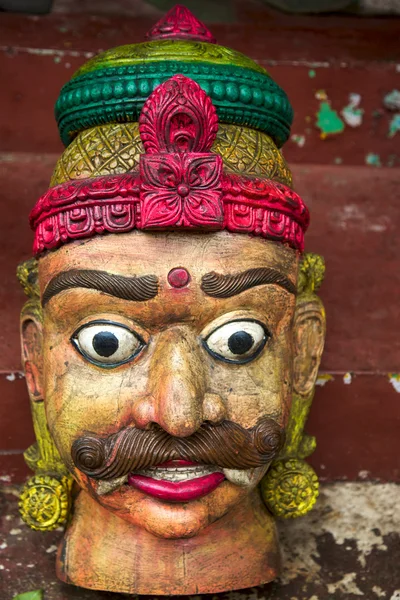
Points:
(116, 147)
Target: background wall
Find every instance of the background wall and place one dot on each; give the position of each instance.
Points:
(349, 180)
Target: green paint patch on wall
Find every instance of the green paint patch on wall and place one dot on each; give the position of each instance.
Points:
(373, 160)
(392, 100)
(394, 126)
(300, 140)
(328, 120)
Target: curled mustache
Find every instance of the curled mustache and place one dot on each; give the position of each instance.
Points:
(227, 445)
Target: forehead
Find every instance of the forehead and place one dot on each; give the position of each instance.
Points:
(139, 253)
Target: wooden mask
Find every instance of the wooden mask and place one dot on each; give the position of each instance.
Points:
(173, 335)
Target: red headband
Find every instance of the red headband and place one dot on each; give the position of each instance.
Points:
(180, 184)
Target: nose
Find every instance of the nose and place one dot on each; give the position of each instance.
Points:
(177, 398)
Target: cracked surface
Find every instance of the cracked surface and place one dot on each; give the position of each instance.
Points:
(347, 547)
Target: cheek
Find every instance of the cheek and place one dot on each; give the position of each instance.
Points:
(81, 398)
(259, 388)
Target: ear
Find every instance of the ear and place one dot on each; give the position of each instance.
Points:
(32, 356)
(309, 339)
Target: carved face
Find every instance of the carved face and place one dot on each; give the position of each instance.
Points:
(183, 361)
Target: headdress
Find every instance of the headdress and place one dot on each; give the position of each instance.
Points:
(203, 154)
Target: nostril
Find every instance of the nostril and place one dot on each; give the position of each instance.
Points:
(153, 426)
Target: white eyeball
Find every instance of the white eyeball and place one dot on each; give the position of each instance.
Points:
(237, 341)
(107, 344)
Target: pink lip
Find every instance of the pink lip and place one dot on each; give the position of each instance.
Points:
(182, 491)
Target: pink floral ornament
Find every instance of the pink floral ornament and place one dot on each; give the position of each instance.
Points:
(182, 190)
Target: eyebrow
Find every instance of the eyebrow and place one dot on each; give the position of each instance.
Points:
(224, 286)
(134, 288)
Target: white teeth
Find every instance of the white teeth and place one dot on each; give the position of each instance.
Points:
(245, 477)
(241, 477)
(105, 487)
(179, 473)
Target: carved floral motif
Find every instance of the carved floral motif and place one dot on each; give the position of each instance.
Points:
(182, 190)
(45, 501)
(178, 117)
(290, 488)
(180, 177)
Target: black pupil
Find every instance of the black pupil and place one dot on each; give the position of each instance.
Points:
(240, 342)
(105, 343)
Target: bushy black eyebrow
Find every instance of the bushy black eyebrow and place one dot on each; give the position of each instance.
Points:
(224, 286)
(138, 289)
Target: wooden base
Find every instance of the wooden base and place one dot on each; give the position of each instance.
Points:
(103, 552)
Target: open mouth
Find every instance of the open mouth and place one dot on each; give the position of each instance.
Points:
(177, 480)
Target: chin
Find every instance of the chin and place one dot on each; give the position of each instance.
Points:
(172, 520)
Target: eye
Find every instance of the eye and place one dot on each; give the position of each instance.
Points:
(237, 341)
(107, 344)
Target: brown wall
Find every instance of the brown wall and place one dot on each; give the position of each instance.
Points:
(355, 207)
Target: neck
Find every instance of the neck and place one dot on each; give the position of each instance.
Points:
(102, 551)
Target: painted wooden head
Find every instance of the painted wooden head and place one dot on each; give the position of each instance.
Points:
(172, 337)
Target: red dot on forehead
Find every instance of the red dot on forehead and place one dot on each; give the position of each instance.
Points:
(178, 277)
